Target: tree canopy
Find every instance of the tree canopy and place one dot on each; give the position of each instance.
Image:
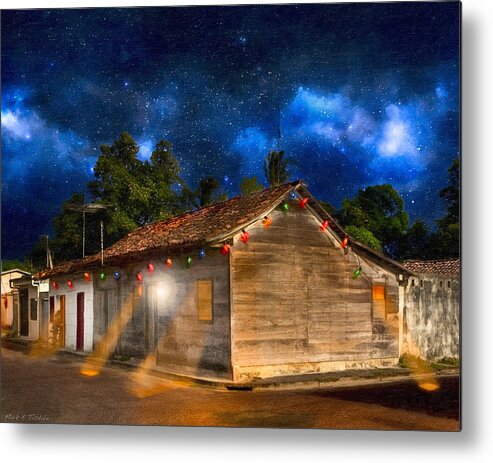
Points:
(250, 185)
(276, 168)
(380, 210)
(136, 192)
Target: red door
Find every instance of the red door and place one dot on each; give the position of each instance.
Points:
(80, 321)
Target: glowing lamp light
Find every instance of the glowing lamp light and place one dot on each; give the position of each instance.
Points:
(245, 236)
(292, 195)
(116, 275)
(189, 261)
(87, 277)
(285, 207)
(267, 222)
(70, 284)
(324, 225)
(225, 249)
(344, 243)
(202, 253)
(357, 272)
(303, 202)
(139, 277)
(161, 290)
(54, 284)
(150, 267)
(102, 276)
(169, 262)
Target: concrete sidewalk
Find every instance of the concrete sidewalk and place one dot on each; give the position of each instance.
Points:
(310, 380)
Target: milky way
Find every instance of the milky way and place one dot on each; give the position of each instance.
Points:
(363, 94)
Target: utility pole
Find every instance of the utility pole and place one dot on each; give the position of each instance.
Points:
(90, 208)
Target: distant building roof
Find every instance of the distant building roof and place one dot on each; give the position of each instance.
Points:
(207, 226)
(14, 270)
(436, 267)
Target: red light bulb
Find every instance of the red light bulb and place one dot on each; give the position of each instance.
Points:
(150, 267)
(344, 243)
(225, 249)
(245, 236)
(70, 284)
(139, 277)
(324, 225)
(303, 202)
(54, 284)
(169, 262)
(87, 277)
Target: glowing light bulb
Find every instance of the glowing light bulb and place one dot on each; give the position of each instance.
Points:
(267, 222)
(357, 272)
(324, 225)
(117, 275)
(245, 236)
(70, 284)
(292, 195)
(139, 277)
(87, 277)
(225, 249)
(303, 202)
(202, 253)
(189, 261)
(344, 242)
(54, 284)
(169, 262)
(102, 276)
(150, 267)
(285, 207)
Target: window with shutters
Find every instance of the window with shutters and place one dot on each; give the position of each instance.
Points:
(204, 300)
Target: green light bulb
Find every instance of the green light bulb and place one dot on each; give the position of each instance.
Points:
(357, 272)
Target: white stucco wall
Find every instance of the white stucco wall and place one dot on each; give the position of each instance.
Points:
(80, 286)
(431, 316)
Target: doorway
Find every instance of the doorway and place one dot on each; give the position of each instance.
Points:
(80, 322)
(61, 320)
(24, 312)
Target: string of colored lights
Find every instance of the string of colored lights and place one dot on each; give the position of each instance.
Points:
(225, 249)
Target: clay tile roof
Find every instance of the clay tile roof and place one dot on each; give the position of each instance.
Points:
(186, 231)
(436, 267)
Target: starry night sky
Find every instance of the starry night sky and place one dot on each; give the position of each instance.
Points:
(366, 93)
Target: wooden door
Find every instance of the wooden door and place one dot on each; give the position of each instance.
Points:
(24, 312)
(80, 322)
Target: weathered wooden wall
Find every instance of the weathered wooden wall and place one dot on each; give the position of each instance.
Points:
(296, 307)
(165, 318)
(431, 317)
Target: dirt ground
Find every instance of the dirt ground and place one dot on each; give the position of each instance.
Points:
(51, 390)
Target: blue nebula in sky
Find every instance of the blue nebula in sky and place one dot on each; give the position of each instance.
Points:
(361, 94)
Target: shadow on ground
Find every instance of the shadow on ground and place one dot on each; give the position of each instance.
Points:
(444, 402)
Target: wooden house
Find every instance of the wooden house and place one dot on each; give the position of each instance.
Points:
(261, 285)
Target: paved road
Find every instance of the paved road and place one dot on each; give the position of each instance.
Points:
(51, 390)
